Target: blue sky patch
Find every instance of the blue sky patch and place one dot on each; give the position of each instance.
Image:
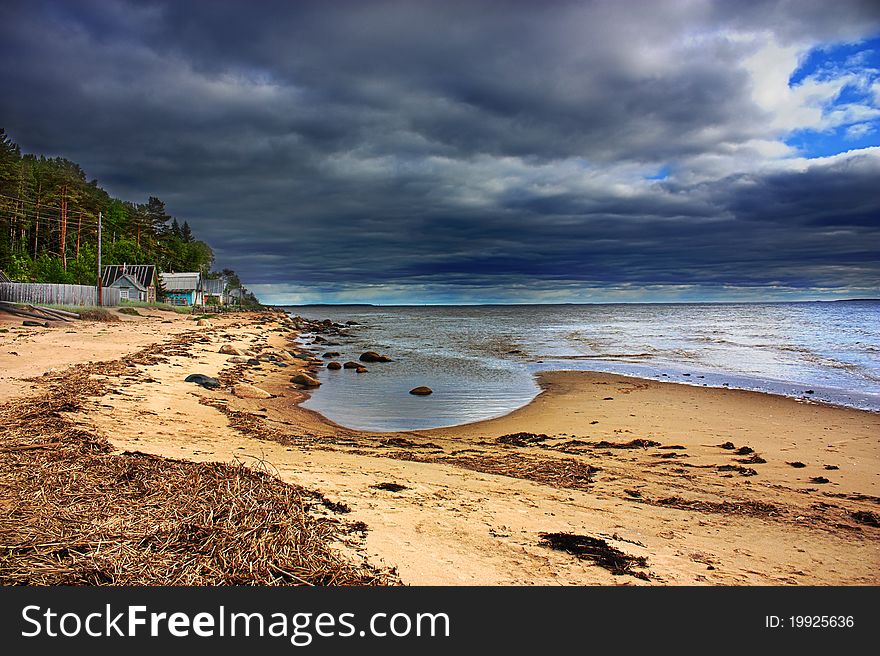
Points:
(830, 62)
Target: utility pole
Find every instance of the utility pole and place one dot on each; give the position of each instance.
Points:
(100, 289)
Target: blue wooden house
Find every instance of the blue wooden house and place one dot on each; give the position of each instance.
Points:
(183, 288)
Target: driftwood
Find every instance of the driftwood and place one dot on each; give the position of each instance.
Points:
(59, 315)
(37, 312)
(23, 313)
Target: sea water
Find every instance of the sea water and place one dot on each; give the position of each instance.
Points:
(481, 361)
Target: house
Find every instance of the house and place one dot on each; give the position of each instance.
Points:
(183, 288)
(232, 296)
(215, 291)
(136, 282)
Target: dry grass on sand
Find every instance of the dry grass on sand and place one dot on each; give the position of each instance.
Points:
(72, 512)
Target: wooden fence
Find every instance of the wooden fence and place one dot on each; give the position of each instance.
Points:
(48, 294)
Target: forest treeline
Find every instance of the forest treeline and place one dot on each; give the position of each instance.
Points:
(49, 225)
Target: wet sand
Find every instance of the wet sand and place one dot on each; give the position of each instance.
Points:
(472, 509)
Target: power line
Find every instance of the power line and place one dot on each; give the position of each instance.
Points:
(26, 201)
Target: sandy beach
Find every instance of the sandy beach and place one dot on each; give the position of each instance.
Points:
(693, 485)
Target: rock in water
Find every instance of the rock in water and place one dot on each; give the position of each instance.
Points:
(352, 365)
(331, 354)
(421, 391)
(205, 381)
(229, 349)
(372, 356)
(334, 365)
(245, 391)
(305, 380)
(361, 370)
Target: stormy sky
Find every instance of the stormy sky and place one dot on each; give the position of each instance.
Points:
(430, 152)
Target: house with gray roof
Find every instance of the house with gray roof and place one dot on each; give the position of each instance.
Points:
(183, 288)
(215, 291)
(136, 282)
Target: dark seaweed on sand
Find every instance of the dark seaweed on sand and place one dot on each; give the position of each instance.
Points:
(522, 439)
(866, 517)
(596, 550)
(637, 443)
(390, 487)
(754, 459)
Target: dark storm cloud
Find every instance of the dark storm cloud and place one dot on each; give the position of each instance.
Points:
(457, 148)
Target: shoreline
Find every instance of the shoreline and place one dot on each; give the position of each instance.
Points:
(541, 375)
(630, 461)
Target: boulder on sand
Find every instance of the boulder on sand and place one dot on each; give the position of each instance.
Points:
(205, 381)
(352, 365)
(305, 380)
(421, 391)
(372, 356)
(229, 349)
(334, 365)
(204, 322)
(245, 391)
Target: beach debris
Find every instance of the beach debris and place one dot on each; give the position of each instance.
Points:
(229, 349)
(556, 472)
(751, 508)
(568, 444)
(205, 381)
(305, 380)
(35, 324)
(635, 494)
(352, 365)
(754, 459)
(831, 467)
(390, 487)
(797, 464)
(334, 365)
(421, 391)
(246, 391)
(866, 517)
(597, 550)
(637, 443)
(729, 446)
(204, 322)
(608, 398)
(409, 444)
(130, 311)
(105, 518)
(819, 479)
(745, 471)
(372, 356)
(524, 439)
(672, 446)
(331, 354)
(744, 451)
